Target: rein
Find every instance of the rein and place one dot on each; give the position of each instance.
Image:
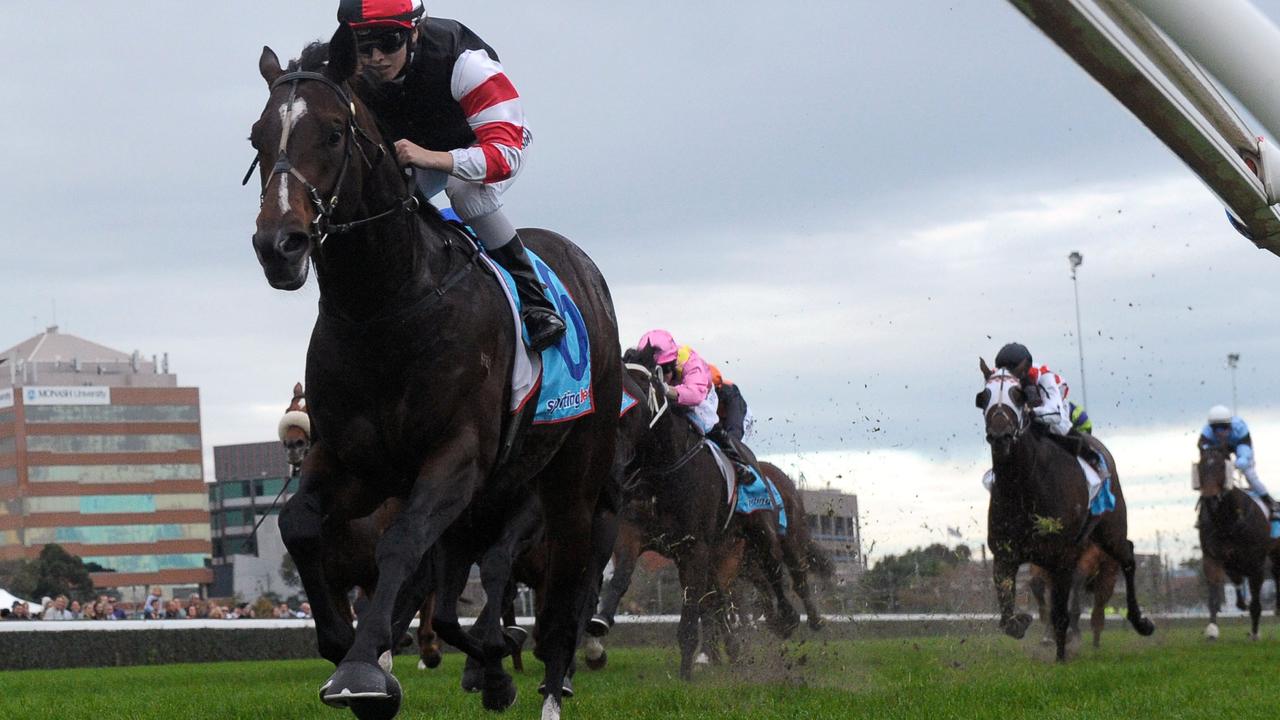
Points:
(322, 227)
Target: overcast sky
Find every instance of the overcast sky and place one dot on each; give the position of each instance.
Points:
(844, 204)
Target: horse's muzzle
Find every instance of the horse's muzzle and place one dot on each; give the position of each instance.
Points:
(283, 256)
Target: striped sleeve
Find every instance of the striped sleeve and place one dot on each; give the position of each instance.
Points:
(494, 112)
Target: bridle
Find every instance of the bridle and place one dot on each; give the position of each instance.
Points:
(1022, 418)
(322, 226)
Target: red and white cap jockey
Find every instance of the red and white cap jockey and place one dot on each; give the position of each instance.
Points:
(372, 14)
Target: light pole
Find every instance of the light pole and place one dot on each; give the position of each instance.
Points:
(1233, 359)
(1076, 259)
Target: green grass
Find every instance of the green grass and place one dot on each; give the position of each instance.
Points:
(1174, 674)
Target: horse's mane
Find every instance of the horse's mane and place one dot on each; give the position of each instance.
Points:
(639, 357)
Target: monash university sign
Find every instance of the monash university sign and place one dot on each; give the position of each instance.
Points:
(83, 395)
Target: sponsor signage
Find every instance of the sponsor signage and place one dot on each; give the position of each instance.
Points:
(81, 395)
(6, 397)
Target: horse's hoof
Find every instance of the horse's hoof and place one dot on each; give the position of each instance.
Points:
(500, 695)
(816, 622)
(1211, 632)
(595, 653)
(1253, 637)
(430, 660)
(1144, 626)
(550, 708)
(472, 678)
(369, 691)
(1016, 626)
(516, 637)
(598, 627)
(566, 687)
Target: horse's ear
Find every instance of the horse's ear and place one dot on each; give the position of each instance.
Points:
(297, 391)
(986, 371)
(269, 65)
(342, 55)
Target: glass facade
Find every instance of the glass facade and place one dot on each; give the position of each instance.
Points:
(112, 413)
(98, 504)
(269, 487)
(110, 443)
(233, 490)
(96, 474)
(116, 534)
(7, 445)
(8, 476)
(8, 537)
(6, 416)
(148, 563)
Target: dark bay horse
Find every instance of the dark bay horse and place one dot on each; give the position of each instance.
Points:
(1039, 511)
(675, 503)
(1096, 574)
(408, 381)
(1235, 537)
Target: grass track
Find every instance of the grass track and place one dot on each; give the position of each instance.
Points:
(1173, 675)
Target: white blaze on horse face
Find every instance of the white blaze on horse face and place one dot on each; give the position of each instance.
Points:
(289, 116)
(1001, 385)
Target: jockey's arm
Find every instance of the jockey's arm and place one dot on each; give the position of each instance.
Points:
(695, 383)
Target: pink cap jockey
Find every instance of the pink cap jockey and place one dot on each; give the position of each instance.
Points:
(691, 370)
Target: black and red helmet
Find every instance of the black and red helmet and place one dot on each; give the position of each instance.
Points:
(376, 14)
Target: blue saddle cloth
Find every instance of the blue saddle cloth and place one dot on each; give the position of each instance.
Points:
(1104, 501)
(762, 495)
(565, 392)
(628, 403)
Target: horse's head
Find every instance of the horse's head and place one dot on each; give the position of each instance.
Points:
(1003, 404)
(1214, 476)
(295, 428)
(642, 369)
(314, 141)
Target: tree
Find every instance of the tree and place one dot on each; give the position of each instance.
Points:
(58, 572)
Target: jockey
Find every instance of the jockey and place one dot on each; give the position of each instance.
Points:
(442, 96)
(1050, 408)
(1230, 433)
(689, 385)
(734, 413)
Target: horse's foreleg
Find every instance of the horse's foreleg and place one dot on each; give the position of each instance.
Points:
(1039, 586)
(401, 557)
(1060, 609)
(302, 530)
(793, 554)
(1255, 601)
(1004, 571)
(695, 589)
(625, 552)
(1078, 582)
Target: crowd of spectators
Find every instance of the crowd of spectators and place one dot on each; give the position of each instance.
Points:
(156, 607)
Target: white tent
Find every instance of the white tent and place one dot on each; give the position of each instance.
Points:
(7, 600)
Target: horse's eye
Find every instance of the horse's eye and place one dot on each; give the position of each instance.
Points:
(334, 138)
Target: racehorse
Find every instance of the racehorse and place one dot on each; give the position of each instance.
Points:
(352, 563)
(1095, 574)
(1040, 513)
(802, 555)
(675, 503)
(1235, 537)
(408, 377)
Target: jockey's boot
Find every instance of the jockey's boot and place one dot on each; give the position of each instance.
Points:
(1275, 507)
(741, 468)
(539, 315)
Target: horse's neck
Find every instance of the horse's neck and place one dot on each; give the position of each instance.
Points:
(375, 267)
(678, 438)
(1018, 475)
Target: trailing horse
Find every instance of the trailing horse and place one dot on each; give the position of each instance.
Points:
(408, 378)
(675, 503)
(1040, 510)
(1235, 537)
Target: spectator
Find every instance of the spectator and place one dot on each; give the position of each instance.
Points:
(304, 611)
(57, 610)
(173, 610)
(91, 611)
(216, 612)
(152, 607)
(76, 612)
(195, 608)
